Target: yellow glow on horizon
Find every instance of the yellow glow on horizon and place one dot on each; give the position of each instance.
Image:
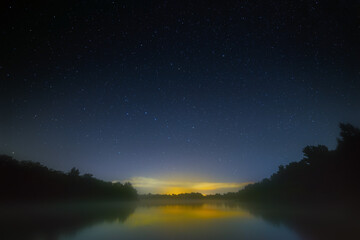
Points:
(177, 190)
(158, 186)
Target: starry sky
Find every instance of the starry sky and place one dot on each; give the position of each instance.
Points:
(207, 91)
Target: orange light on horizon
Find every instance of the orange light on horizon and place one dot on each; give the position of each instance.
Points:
(159, 186)
(177, 190)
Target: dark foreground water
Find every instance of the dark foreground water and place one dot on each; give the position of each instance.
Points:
(176, 220)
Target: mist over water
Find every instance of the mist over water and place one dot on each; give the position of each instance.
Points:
(182, 219)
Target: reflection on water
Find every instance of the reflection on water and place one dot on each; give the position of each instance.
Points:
(184, 214)
(174, 220)
(49, 221)
(313, 222)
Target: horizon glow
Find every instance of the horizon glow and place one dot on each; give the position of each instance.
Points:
(146, 185)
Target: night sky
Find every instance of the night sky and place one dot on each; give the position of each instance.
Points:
(202, 91)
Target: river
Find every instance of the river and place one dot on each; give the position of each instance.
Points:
(173, 219)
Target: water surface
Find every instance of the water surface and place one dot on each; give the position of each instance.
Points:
(174, 220)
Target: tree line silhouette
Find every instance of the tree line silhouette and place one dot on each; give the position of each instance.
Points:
(193, 195)
(26, 180)
(321, 175)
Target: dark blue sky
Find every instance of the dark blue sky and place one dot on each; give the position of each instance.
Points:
(194, 89)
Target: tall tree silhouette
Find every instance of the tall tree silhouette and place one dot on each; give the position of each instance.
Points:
(321, 174)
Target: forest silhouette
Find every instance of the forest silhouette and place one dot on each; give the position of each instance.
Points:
(322, 175)
(26, 180)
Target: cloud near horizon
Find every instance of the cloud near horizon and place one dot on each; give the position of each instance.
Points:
(146, 185)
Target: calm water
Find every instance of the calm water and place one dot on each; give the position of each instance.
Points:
(175, 220)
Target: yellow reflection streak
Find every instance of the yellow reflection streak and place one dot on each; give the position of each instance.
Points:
(175, 215)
